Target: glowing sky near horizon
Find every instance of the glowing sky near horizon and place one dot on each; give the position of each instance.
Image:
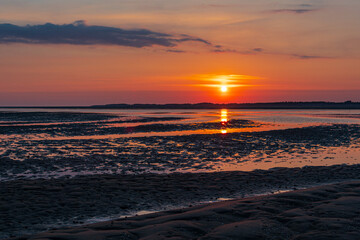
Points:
(140, 51)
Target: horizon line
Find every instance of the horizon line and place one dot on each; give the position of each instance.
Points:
(279, 104)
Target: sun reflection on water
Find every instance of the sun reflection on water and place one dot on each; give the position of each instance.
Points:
(223, 131)
(224, 116)
(224, 120)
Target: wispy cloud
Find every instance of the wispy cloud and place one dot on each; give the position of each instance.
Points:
(296, 10)
(306, 5)
(217, 5)
(220, 49)
(175, 51)
(229, 80)
(259, 50)
(79, 33)
(309, 56)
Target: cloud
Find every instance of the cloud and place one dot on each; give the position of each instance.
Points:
(224, 50)
(220, 49)
(216, 5)
(298, 9)
(309, 56)
(262, 51)
(79, 33)
(216, 80)
(306, 5)
(289, 10)
(257, 50)
(187, 38)
(175, 51)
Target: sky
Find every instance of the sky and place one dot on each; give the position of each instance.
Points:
(85, 52)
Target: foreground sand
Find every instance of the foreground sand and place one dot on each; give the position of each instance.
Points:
(33, 206)
(326, 212)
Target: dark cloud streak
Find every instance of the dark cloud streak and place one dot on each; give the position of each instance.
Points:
(297, 11)
(258, 50)
(309, 56)
(79, 33)
(220, 49)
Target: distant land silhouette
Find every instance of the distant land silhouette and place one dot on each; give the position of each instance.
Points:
(270, 105)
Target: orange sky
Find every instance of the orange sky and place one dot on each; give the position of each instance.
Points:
(296, 47)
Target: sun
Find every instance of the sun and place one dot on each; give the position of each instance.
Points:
(223, 89)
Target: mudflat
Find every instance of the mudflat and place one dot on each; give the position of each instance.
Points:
(325, 212)
(30, 206)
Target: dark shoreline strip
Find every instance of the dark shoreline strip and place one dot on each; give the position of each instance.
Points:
(266, 105)
(27, 205)
(326, 212)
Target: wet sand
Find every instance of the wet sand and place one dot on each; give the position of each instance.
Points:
(56, 183)
(203, 152)
(30, 206)
(325, 212)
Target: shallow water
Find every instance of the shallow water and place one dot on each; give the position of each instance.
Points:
(58, 142)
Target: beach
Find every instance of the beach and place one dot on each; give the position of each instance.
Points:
(68, 170)
(30, 206)
(194, 119)
(325, 212)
